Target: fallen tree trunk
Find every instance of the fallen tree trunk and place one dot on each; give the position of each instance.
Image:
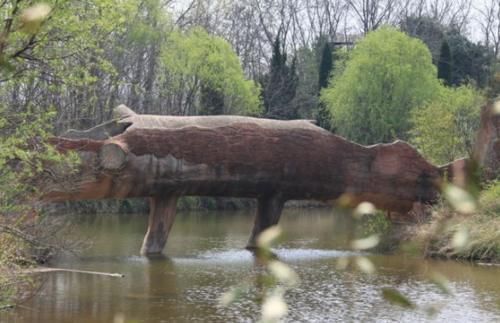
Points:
(164, 157)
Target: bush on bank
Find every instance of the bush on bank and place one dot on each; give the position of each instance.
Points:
(475, 236)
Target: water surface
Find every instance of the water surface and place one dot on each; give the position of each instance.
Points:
(206, 257)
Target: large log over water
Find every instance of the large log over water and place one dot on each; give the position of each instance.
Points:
(164, 157)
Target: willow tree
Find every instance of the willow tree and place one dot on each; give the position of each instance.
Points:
(204, 68)
(388, 75)
(445, 128)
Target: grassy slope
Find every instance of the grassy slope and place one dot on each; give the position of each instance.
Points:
(475, 236)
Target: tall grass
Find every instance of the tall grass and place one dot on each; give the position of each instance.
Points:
(480, 231)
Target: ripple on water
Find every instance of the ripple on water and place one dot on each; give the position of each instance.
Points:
(238, 256)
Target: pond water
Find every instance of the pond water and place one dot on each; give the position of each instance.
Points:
(206, 257)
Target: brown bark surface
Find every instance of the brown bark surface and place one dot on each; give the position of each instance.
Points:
(245, 157)
(161, 220)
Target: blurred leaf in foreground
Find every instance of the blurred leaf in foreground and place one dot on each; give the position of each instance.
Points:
(364, 208)
(32, 17)
(396, 298)
(366, 243)
(268, 237)
(365, 265)
(232, 295)
(283, 273)
(496, 108)
(460, 199)
(342, 263)
(460, 238)
(441, 282)
(274, 308)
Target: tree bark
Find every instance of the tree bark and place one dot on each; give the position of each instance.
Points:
(268, 214)
(161, 218)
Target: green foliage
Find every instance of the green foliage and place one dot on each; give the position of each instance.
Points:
(25, 156)
(12, 285)
(445, 128)
(325, 66)
(26, 159)
(388, 75)
(471, 62)
(324, 116)
(73, 29)
(395, 297)
(475, 236)
(211, 101)
(280, 85)
(377, 223)
(306, 95)
(445, 64)
(489, 201)
(203, 59)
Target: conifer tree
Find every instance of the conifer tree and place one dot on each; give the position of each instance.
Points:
(325, 68)
(444, 64)
(280, 85)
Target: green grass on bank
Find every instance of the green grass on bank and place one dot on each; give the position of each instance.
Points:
(474, 237)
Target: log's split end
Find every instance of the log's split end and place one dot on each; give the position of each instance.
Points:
(113, 155)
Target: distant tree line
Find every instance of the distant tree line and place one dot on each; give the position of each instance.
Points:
(277, 59)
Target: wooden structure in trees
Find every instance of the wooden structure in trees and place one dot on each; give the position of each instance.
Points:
(165, 157)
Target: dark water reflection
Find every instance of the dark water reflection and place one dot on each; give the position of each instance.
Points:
(206, 258)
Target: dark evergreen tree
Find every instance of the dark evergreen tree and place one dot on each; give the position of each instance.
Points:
(471, 61)
(280, 85)
(444, 63)
(324, 116)
(211, 101)
(325, 65)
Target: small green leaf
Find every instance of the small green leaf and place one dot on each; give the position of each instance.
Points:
(395, 297)
(441, 282)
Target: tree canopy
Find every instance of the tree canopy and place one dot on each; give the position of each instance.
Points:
(445, 128)
(388, 75)
(209, 61)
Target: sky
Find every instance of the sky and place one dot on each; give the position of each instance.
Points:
(473, 31)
